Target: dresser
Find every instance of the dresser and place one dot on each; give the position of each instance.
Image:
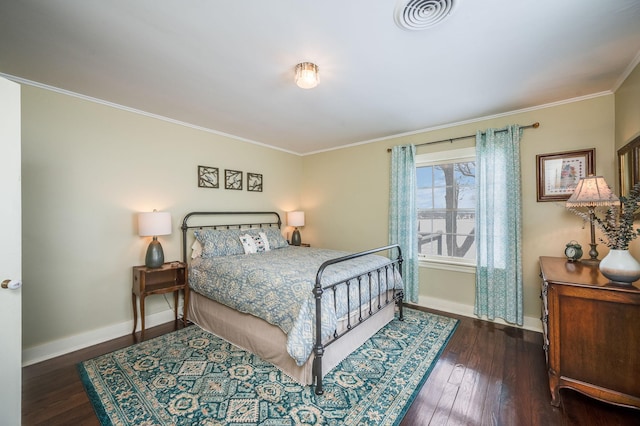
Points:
(591, 332)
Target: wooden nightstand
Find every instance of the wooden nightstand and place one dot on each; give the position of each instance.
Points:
(170, 278)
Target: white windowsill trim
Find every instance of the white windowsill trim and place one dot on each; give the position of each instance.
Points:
(447, 265)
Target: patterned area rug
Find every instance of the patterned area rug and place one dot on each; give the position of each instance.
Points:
(191, 377)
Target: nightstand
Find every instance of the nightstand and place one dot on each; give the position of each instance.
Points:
(303, 245)
(169, 278)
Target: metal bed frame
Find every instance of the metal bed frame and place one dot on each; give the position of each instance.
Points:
(364, 312)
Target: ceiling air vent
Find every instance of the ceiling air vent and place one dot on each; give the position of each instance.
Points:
(416, 15)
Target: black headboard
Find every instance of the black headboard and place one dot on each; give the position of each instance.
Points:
(226, 220)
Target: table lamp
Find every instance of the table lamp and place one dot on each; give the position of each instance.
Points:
(591, 192)
(153, 224)
(295, 219)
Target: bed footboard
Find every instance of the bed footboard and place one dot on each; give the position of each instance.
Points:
(371, 305)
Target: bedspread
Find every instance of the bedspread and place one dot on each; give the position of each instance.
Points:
(277, 287)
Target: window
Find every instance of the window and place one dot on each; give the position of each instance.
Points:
(446, 202)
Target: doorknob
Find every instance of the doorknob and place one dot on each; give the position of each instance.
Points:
(11, 284)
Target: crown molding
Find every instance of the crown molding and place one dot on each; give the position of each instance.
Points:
(43, 86)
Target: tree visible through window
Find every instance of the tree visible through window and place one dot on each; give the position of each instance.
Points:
(446, 206)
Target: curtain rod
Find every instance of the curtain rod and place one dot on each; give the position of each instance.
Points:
(450, 140)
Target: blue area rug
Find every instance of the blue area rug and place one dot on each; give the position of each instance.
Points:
(191, 377)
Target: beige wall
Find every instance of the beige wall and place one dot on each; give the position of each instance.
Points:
(628, 123)
(87, 170)
(346, 192)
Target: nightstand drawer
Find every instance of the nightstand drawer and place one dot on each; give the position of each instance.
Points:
(163, 279)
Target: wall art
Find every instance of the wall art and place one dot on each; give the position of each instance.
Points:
(233, 179)
(559, 173)
(254, 182)
(208, 177)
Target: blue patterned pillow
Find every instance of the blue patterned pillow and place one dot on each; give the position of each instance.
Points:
(226, 242)
(220, 242)
(275, 238)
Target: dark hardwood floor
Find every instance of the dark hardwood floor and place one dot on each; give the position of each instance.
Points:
(487, 375)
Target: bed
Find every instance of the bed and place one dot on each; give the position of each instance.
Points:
(290, 305)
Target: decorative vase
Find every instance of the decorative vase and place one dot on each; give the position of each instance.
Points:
(620, 267)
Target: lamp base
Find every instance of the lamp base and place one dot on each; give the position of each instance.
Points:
(593, 253)
(296, 240)
(155, 254)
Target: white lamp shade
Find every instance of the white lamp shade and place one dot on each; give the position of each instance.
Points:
(154, 223)
(295, 218)
(592, 191)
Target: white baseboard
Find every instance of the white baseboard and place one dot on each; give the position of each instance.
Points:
(530, 323)
(59, 347)
(63, 346)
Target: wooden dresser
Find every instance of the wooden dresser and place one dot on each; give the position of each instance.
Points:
(591, 332)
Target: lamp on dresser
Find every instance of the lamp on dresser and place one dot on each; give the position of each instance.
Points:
(591, 192)
(295, 219)
(153, 224)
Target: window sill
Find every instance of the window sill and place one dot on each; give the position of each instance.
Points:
(447, 265)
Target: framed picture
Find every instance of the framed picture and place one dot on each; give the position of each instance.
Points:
(254, 182)
(558, 174)
(208, 177)
(233, 179)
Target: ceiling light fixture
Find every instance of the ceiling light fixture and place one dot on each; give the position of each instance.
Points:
(307, 75)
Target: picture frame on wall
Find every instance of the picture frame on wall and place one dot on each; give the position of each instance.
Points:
(254, 182)
(557, 174)
(208, 177)
(233, 179)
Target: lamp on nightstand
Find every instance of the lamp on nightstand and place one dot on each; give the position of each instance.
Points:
(152, 224)
(295, 219)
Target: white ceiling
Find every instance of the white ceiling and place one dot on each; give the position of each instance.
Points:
(228, 65)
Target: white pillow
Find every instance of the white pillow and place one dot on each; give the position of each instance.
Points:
(265, 241)
(248, 244)
(196, 249)
(254, 243)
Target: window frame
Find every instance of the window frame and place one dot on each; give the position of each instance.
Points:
(437, 158)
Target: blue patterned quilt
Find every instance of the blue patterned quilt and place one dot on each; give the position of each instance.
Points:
(277, 286)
